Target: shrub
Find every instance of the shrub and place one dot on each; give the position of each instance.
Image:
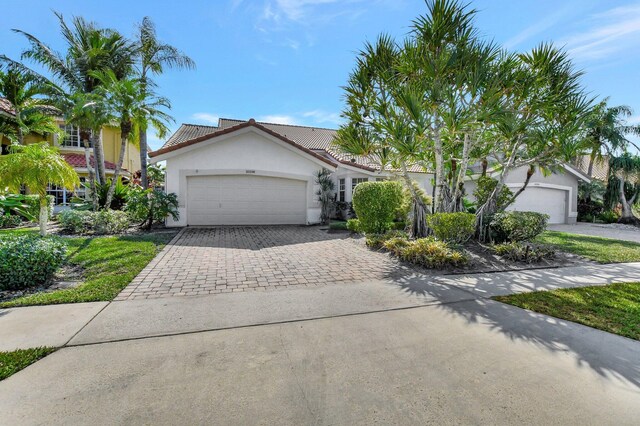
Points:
(396, 245)
(522, 252)
(33, 205)
(151, 206)
(28, 260)
(376, 204)
(353, 225)
(376, 241)
(432, 253)
(101, 222)
(110, 222)
(10, 220)
(518, 226)
(338, 226)
(609, 216)
(399, 226)
(485, 186)
(120, 194)
(455, 228)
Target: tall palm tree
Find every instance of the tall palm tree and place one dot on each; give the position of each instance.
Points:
(152, 57)
(36, 166)
(88, 49)
(607, 131)
(132, 107)
(32, 112)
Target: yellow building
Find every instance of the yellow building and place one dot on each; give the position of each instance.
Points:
(72, 148)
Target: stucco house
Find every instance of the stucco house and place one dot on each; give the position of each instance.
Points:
(251, 173)
(72, 149)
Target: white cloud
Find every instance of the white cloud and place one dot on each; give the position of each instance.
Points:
(610, 32)
(278, 119)
(321, 117)
(206, 117)
(544, 24)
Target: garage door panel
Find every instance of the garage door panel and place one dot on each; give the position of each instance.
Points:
(549, 201)
(245, 200)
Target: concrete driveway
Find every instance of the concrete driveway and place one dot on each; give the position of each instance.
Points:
(613, 230)
(232, 259)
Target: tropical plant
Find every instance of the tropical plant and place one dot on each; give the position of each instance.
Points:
(132, 107)
(150, 206)
(36, 166)
(16, 203)
(89, 48)
(325, 194)
(624, 181)
(152, 57)
(32, 113)
(432, 253)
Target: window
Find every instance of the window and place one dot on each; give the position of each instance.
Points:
(380, 179)
(342, 189)
(355, 181)
(71, 136)
(62, 196)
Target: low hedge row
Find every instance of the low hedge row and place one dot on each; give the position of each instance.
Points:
(89, 222)
(29, 260)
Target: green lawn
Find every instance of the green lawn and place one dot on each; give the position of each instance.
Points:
(614, 308)
(602, 250)
(14, 361)
(109, 264)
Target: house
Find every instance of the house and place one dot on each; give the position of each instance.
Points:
(72, 148)
(251, 173)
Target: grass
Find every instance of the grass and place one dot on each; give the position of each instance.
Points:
(614, 308)
(602, 250)
(108, 263)
(14, 361)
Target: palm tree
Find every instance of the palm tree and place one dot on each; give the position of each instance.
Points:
(88, 49)
(132, 107)
(32, 112)
(152, 57)
(608, 130)
(36, 166)
(624, 171)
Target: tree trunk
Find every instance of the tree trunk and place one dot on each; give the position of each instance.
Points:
(112, 185)
(44, 214)
(20, 136)
(418, 209)
(98, 154)
(143, 159)
(93, 194)
(627, 215)
(530, 173)
(439, 172)
(592, 159)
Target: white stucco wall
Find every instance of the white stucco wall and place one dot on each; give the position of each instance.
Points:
(247, 151)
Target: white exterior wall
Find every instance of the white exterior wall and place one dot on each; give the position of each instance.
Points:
(247, 151)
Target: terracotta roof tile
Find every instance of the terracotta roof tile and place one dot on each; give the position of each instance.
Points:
(78, 160)
(600, 167)
(5, 106)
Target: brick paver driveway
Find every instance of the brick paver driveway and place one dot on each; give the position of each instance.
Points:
(226, 259)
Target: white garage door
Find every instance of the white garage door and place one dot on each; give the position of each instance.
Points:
(245, 200)
(543, 200)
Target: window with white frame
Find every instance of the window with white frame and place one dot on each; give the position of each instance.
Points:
(380, 179)
(71, 136)
(62, 196)
(342, 189)
(356, 181)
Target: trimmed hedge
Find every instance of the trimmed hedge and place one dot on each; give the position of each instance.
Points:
(28, 260)
(89, 222)
(376, 204)
(454, 228)
(518, 226)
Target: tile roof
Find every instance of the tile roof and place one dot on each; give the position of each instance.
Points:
(316, 139)
(5, 107)
(600, 167)
(78, 160)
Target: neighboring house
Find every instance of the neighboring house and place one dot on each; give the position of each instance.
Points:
(72, 148)
(250, 173)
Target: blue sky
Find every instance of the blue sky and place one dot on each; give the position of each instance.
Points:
(285, 60)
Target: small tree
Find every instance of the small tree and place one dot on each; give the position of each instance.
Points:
(36, 166)
(625, 172)
(325, 194)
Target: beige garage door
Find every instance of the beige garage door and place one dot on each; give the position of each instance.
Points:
(245, 200)
(543, 200)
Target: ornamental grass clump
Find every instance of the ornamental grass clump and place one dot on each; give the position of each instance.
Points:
(432, 253)
(28, 260)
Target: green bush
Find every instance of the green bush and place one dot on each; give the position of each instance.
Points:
(432, 253)
(376, 204)
(518, 251)
(10, 220)
(338, 225)
(454, 228)
(608, 216)
(151, 206)
(88, 222)
(353, 225)
(399, 226)
(33, 205)
(485, 186)
(396, 245)
(28, 260)
(518, 226)
(376, 241)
